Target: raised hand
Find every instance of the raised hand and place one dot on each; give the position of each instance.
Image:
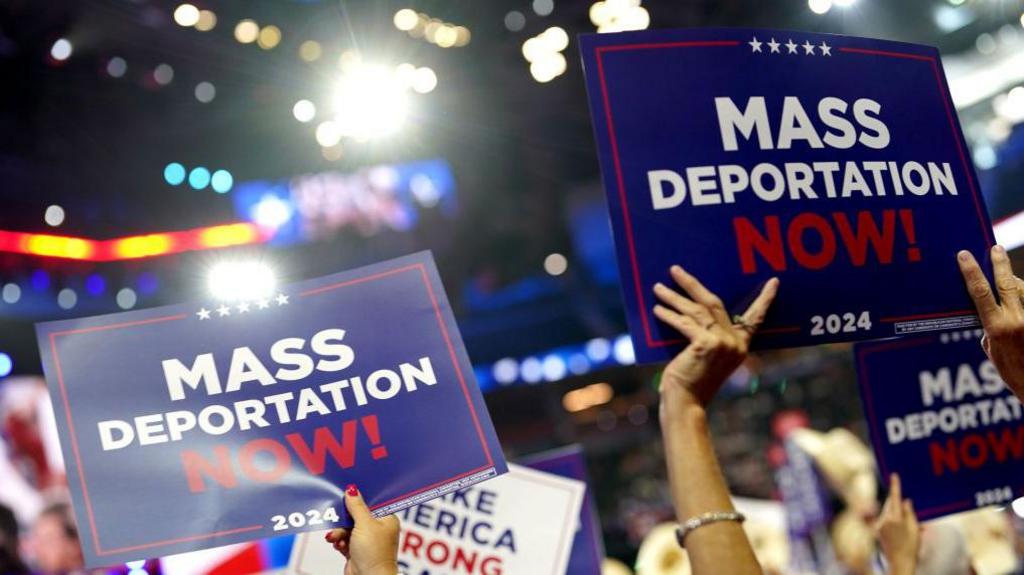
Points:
(371, 546)
(897, 530)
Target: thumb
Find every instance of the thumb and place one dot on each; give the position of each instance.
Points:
(356, 505)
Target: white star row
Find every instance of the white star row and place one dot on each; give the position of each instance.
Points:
(964, 335)
(225, 310)
(791, 47)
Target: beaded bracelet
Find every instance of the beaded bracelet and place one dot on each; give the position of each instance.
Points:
(703, 519)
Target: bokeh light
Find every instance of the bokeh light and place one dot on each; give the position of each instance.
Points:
(221, 181)
(406, 19)
(54, 215)
(186, 15)
(310, 51)
(163, 74)
(126, 298)
(67, 298)
(269, 37)
(116, 67)
(199, 178)
(207, 21)
(95, 284)
(424, 80)
(543, 7)
(246, 31)
(556, 264)
(174, 173)
(304, 111)
(6, 364)
(205, 92)
(515, 21)
(11, 293)
(61, 49)
(328, 134)
(819, 6)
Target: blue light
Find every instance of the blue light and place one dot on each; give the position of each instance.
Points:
(6, 365)
(95, 284)
(222, 181)
(199, 178)
(147, 283)
(40, 280)
(174, 173)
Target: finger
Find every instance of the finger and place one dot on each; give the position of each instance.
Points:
(356, 505)
(1006, 282)
(701, 295)
(984, 345)
(683, 324)
(978, 287)
(909, 514)
(682, 304)
(895, 488)
(335, 535)
(754, 316)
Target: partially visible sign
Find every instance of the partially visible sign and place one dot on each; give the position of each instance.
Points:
(203, 424)
(588, 546)
(805, 500)
(942, 418)
(521, 523)
(833, 162)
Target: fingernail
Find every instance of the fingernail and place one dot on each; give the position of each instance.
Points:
(963, 255)
(677, 269)
(352, 490)
(327, 536)
(659, 286)
(999, 249)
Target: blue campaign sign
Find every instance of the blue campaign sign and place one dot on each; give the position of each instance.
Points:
(835, 163)
(203, 424)
(941, 417)
(588, 546)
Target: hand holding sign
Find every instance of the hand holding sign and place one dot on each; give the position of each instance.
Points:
(898, 532)
(371, 546)
(717, 344)
(1004, 320)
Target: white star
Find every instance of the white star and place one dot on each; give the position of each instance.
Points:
(243, 307)
(826, 50)
(755, 46)
(203, 313)
(791, 46)
(224, 310)
(263, 304)
(281, 299)
(808, 48)
(774, 46)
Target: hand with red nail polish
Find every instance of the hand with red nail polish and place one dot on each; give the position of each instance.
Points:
(371, 546)
(1003, 320)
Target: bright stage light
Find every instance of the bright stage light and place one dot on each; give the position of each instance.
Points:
(406, 19)
(845, 3)
(246, 31)
(186, 15)
(54, 215)
(241, 281)
(555, 38)
(548, 67)
(272, 212)
(424, 80)
(819, 6)
(328, 134)
(369, 102)
(304, 111)
(61, 49)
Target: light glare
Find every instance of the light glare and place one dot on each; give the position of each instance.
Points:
(186, 15)
(304, 111)
(241, 281)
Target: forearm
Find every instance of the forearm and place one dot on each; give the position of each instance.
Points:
(698, 487)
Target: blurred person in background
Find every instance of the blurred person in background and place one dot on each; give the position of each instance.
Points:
(53, 543)
(10, 558)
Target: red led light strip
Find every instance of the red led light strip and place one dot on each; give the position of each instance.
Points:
(133, 247)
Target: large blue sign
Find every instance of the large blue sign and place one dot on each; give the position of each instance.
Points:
(204, 424)
(941, 417)
(588, 546)
(833, 162)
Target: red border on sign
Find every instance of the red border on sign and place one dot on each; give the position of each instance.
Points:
(74, 437)
(627, 222)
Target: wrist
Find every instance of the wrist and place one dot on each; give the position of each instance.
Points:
(902, 566)
(681, 413)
